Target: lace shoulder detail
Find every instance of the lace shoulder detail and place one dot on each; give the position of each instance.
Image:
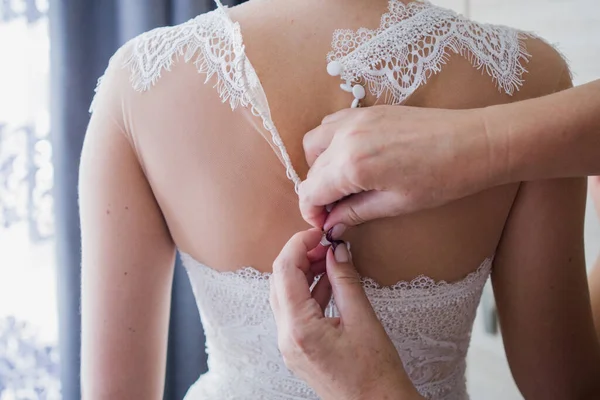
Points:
(214, 43)
(421, 286)
(424, 285)
(414, 41)
(211, 41)
(253, 277)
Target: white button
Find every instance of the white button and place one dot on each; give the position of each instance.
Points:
(335, 68)
(325, 242)
(346, 87)
(358, 91)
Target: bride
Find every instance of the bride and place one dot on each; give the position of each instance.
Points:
(195, 145)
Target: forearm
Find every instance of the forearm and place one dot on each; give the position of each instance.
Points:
(549, 137)
(126, 271)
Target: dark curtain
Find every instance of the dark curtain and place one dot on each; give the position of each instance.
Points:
(83, 35)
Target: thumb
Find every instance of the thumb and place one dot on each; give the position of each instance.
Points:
(362, 207)
(350, 297)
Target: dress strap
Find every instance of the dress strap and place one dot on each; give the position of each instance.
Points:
(220, 4)
(254, 95)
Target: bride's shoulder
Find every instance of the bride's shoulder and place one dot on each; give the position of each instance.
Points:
(548, 69)
(204, 42)
(536, 67)
(151, 53)
(518, 59)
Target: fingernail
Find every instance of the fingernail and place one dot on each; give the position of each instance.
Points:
(336, 243)
(338, 230)
(326, 240)
(329, 207)
(349, 252)
(341, 253)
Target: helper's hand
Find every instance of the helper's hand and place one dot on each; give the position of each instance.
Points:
(350, 357)
(393, 160)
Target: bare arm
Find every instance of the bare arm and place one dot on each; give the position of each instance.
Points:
(128, 258)
(548, 137)
(542, 295)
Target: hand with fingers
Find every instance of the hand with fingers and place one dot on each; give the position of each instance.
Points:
(385, 161)
(341, 358)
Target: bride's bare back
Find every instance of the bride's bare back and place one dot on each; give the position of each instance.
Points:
(168, 164)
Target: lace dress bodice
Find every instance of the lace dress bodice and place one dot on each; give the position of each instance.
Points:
(429, 322)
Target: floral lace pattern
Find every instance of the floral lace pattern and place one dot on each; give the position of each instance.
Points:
(412, 43)
(210, 40)
(429, 322)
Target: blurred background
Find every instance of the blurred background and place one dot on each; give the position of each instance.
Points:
(52, 52)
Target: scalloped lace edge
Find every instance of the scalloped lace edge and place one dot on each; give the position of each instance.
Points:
(380, 81)
(418, 283)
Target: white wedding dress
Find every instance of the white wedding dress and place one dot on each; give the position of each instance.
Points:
(429, 322)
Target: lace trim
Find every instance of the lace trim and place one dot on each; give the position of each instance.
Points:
(413, 42)
(209, 40)
(213, 42)
(420, 285)
(424, 285)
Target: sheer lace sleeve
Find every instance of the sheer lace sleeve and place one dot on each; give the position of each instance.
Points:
(213, 43)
